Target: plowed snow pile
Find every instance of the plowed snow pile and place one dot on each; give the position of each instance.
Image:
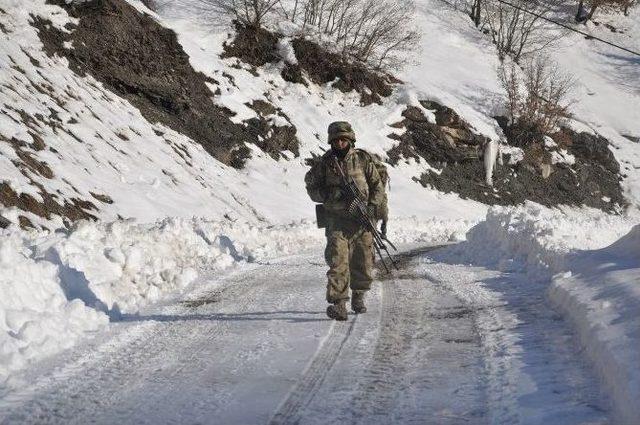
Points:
(56, 287)
(590, 265)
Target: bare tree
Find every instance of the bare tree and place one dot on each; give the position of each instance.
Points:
(626, 5)
(581, 13)
(476, 12)
(247, 12)
(378, 32)
(516, 32)
(538, 95)
(510, 81)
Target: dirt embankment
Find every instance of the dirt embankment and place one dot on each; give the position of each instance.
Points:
(589, 175)
(447, 141)
(143, 62)
(258, 47)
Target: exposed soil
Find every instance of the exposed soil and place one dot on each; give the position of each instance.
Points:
(449, 141)
(323, 67)
(51, 204)
(105, 199)
(592, 181)
(143, 62)
(70, 210)
(26, 160)
(255, 46)
(273, 139)
(258, 47)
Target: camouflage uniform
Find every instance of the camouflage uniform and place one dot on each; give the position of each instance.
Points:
(349, 251)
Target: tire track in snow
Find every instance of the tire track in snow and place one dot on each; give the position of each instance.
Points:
(377, 391)
(424, 329)
(532, 367)
(379, 376)
(290, 410)
(426, 362)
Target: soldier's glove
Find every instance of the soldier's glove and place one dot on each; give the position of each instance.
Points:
(337, 195)
(383, 228)
(371, 210)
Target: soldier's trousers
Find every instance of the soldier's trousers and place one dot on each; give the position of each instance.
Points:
(349, 255)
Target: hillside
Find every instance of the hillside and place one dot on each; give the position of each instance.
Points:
(458, 71)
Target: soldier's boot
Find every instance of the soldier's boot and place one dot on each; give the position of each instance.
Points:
(338, 310)
(357, 302)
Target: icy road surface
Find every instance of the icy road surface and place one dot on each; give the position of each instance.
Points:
(441, 343)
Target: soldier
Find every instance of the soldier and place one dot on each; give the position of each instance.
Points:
(349, 251)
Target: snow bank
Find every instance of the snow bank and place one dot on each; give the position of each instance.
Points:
(592, 261)
(36, 318)
(433, 230)
(537, 238)
(55, 287)
(601, 297)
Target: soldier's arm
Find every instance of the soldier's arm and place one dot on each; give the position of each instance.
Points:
(315, 182)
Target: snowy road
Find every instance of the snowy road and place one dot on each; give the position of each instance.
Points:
(441, 343)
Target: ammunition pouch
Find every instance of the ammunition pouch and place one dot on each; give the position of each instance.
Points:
(321, 216)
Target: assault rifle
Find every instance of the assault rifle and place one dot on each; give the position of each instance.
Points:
(358, 209)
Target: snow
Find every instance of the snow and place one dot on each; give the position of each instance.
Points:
(515, 154)
(36, 318)
(539, 237)
(255, 344)
(57, 287)
(600, 294)
(590, 264)
(173, 220)
(311, 109)
(121, 154)
(286, 52)
(562, 156)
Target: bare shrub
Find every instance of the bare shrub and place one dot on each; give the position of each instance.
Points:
(377, 32)
(514, 31)
(582, 15)
(246, 12)
(538, 95)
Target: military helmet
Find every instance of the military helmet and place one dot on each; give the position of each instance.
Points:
(339, 129)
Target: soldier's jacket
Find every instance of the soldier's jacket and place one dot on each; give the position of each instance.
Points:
(323, 181)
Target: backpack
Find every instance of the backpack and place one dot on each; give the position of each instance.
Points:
(381, 167)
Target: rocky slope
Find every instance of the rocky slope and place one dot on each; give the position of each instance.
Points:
(111, 110)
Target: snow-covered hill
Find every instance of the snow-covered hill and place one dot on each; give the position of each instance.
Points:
(72, 149)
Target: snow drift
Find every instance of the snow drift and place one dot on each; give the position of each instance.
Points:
(591, 264)
(57, 287)
(35, 316)
(600, 294)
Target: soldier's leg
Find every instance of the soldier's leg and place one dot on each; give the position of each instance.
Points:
(337, 256)
(361, 263)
